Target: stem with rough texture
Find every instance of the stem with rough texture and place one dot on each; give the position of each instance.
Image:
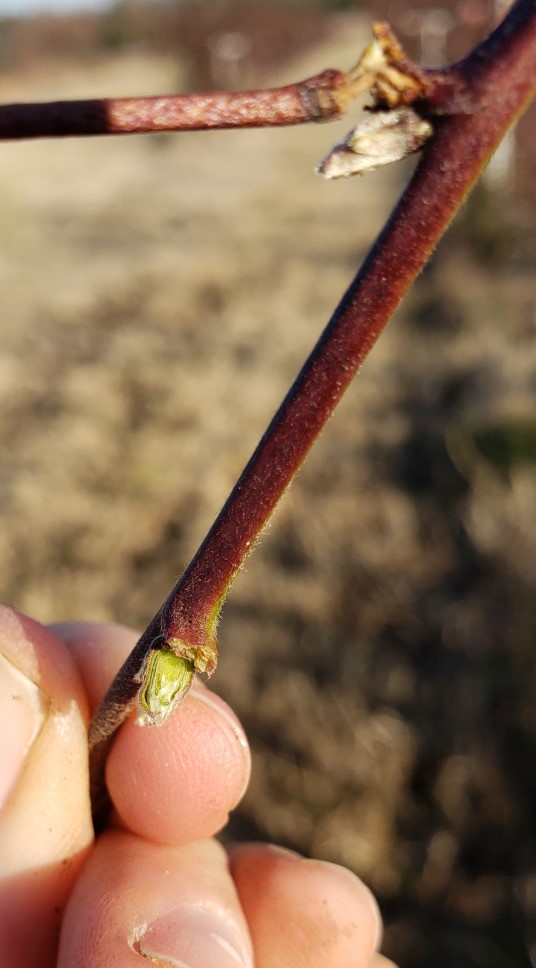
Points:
(324, 97)
(317, 98)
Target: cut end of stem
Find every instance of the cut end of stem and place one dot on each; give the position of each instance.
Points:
(204, 658)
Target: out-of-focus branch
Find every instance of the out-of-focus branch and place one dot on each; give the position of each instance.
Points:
(318, 98)
(383, 67)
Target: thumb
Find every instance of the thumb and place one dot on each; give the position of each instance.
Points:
(45, 819)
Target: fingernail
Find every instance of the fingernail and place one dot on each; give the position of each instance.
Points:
(222, 709)
(186, 938)
(22, 713)
(284, 852)
(231, 722)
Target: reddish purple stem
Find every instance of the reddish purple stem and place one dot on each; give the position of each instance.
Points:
(314, 99)
(452, 162)
(492, 86)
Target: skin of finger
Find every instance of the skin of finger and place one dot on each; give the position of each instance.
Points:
(129, 884)
(304, 914)
(175, 782)
(45, 821)
(99, 650)
(178, 782)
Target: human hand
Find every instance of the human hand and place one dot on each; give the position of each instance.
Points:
(153, 884)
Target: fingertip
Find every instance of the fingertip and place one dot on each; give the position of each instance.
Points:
(45, 822)
(170, 783)
(302, 911)
(99, 650)
(44, 722)
(41, 657)
(178, 782)
(172, 905)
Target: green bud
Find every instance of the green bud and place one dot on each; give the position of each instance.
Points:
(166, 680)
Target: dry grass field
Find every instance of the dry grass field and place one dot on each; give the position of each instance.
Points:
(158, 295)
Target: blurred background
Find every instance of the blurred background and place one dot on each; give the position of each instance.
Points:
(159, 294)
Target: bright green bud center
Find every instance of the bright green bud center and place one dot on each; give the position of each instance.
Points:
(167, 678)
